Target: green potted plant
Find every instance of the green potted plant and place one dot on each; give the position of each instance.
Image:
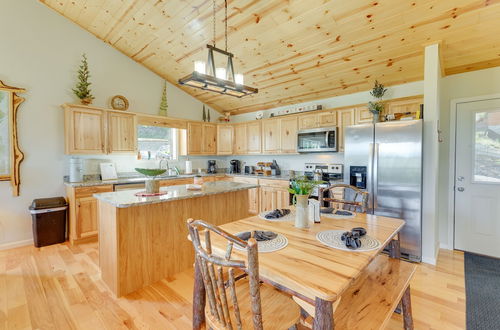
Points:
(152, 185)
(301, 187)
(377, 107)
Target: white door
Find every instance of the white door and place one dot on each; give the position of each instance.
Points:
(477, 177)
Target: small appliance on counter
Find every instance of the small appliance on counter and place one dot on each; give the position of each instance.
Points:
(249, 169)
(235, 166)
(212, 169)
(75, 169)
(275, 169)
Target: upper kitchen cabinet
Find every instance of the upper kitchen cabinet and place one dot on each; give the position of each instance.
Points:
(254, 137)
(271, 136)
(224, 139)
(289, 127)
(308, 121)
(363, 115)
(84, 130)
(240, 139)
(346, 118)
(327, 118)
(202, 138)
(404, 106)
(122, 133)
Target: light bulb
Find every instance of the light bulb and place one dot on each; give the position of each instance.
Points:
(238, 79)
(220, 73)
(199, 66)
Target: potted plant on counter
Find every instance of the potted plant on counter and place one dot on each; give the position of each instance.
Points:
(152, 185)
(377, 107)
(301, 188)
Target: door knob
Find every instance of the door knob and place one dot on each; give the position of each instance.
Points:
(460, 189)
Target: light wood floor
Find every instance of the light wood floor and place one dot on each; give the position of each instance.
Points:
(59, 287)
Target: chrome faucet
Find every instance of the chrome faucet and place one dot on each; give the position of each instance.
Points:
(161, 161)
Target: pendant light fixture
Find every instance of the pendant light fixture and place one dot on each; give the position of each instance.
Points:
(220, 80)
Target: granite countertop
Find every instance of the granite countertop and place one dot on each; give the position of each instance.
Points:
(94, 180)
(127, 198)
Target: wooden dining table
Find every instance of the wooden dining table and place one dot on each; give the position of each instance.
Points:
(306, 268)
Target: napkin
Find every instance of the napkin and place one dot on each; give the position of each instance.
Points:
(278, 213)
(259, 235)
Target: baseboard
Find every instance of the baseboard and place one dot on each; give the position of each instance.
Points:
(12, 245)
(431, 261)
(444, 246)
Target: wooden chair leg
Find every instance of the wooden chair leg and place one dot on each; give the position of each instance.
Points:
(198, 298)
(406, 304)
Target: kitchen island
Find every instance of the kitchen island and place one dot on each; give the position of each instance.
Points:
(144, 239)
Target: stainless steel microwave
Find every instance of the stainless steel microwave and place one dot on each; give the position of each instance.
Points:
(317, 140)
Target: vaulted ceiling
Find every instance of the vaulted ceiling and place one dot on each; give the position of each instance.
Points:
(296, 50)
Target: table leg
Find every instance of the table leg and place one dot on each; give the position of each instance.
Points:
(323, 318)
(394, 249)
(407, 315)
(198, 297)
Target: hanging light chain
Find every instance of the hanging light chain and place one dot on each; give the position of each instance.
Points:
(225, 14)
(214, 22)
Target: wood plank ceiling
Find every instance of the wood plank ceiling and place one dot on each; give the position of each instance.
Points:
(296, 50)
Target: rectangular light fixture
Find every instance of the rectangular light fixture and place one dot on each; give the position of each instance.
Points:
(208, 78)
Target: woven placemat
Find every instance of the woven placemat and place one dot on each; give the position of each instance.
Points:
(278, 243)
(289, 217)
(338, 216)
(332, 238)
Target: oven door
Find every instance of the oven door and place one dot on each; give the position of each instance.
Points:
(317, 140)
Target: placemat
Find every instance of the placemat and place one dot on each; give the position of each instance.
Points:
(332, 238)
(280, 242)
(289, 217)
(337, 216)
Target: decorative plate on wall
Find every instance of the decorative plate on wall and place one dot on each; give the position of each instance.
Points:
(119, 102)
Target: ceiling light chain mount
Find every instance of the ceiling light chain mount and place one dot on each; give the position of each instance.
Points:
(219, 80)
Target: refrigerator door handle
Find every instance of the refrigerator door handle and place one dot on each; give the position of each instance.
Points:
(369, 179)
(375, 175)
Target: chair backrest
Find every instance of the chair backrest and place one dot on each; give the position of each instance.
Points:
(213, 268)
(357, 202)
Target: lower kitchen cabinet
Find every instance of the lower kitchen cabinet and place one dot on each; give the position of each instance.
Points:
(253, 194)
(83, 217)
(273, 194)
(176, 182)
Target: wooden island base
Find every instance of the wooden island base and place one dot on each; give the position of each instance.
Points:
(143, 244)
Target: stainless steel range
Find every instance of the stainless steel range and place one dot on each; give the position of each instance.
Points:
(330, 173)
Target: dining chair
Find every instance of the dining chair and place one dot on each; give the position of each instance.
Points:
(236, 302)
(345, 197)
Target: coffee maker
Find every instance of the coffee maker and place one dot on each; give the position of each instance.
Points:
(211, 167)
(235, 166)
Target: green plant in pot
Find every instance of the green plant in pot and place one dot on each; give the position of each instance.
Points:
(301, 187)
(152, 185)
(377, 107)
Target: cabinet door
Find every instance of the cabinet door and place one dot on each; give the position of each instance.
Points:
(404, 106)
(346, 118)
(327, 119)
(253, 138)
(271, 135)
(209, 139)
(240, 139)
(363, 116)
(122, 132)
(308, 121)
(195, 138)
(289, 135)
(282, 199)
(224, 139)
(176, 182)
(84, 131)
(253, 200)
(86, 217)
(268, 199)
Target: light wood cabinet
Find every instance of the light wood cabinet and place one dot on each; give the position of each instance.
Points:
(224, 139)
(274, 194)
(403, 106)
(122, 133)
(254, 137)
(271, 136)
(253, 194)
(83, 218)
(327, 118)
(202, 138)
(308, 121)
(240, 139)
(345, 118)
(288, 127)
(363, 116)
(84, 131)
(176, 182)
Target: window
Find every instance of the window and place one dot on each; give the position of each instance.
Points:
(156, 142)
(487, 147)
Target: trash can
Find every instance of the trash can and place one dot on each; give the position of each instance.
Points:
(49, 220)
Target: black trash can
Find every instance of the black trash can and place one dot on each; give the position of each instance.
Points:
(49, 220)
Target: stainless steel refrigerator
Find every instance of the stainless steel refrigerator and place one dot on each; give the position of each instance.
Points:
(386, 160)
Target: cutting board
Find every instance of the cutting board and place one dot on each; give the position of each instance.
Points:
(108, 171)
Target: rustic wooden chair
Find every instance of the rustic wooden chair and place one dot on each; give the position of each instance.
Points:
(235, 302)
(345, 197)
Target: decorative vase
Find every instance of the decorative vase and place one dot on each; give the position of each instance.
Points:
(152, 186)
(376, 117)
(86, 101)
(301, 212)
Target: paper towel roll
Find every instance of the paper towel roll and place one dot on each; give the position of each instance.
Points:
(75, 170)
(189, 167)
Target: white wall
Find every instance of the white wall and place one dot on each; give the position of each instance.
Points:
(470, 84)
(41, 52)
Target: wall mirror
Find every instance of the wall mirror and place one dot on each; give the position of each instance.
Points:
(10, 154)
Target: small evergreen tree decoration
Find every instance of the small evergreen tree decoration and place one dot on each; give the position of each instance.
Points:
(377, 107)
(82, 89)
(163, 103)
(204, 114)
